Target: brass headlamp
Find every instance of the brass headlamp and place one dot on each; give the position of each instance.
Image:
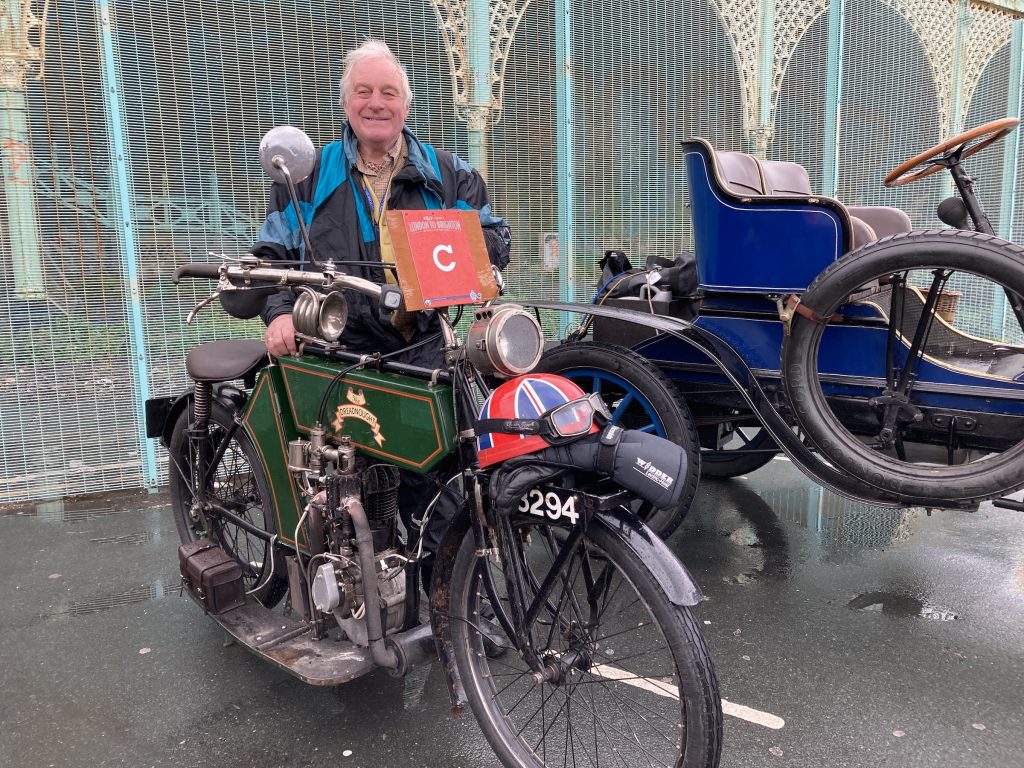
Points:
(320, 315)
(504, 339)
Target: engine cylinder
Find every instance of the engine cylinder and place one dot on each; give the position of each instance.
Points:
(380, 500)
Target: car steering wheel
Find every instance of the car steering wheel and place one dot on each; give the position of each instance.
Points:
(964, 145)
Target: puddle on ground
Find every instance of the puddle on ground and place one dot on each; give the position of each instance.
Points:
(900, 605)
(162, 587)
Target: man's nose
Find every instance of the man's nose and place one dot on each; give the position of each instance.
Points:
(376, 100)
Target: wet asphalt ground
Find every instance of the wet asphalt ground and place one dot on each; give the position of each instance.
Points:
(880, 637)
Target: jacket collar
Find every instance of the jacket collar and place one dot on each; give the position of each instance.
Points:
(417, 154)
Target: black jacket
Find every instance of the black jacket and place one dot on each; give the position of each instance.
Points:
(341, 229)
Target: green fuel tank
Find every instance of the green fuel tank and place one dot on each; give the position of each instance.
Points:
(389, 417)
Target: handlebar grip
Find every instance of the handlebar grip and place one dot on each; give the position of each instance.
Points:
(210, 271)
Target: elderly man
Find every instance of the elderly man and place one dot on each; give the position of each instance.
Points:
(378, 165)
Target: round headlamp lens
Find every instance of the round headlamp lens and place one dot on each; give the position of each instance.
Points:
(519, 343)
(333, 316)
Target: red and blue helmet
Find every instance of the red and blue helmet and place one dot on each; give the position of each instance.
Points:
(524, 397)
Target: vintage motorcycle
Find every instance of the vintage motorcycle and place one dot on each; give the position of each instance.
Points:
(558, 615)
(824, 331)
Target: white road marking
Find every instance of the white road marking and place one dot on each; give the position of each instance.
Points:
(652, 685)
(751, 715)
(780, 458)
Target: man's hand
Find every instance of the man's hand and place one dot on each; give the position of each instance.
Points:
(280, 336)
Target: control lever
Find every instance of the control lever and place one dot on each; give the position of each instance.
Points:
(199, 307)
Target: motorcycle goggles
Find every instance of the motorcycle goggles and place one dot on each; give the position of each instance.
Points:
(563, 422)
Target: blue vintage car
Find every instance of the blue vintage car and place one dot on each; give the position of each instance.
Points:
(826, 331)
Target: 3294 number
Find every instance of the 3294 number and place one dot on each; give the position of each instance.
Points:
(549, 505)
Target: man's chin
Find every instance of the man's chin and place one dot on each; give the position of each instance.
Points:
(378, 137)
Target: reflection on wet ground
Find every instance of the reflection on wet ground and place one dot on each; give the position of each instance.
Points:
(767, 527)
(900, 605)
(851, 623)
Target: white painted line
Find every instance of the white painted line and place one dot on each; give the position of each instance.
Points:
(780, 458)
(751, 715)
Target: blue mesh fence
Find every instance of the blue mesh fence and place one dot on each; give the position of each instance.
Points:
(198, 84)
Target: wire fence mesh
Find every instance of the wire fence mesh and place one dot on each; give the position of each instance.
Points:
(198, 83)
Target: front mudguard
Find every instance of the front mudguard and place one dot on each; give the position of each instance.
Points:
(673, 577)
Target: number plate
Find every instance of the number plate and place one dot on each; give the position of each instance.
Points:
(553, 503)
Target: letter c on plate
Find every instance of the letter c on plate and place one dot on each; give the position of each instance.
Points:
(443, 267)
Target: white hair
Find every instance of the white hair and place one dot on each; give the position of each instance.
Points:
(372, 49)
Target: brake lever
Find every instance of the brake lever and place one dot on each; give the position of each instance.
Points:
(199, 307)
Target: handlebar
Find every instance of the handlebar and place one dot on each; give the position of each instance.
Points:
(247, 275)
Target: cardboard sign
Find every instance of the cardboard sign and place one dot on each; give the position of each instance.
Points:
(442, 258)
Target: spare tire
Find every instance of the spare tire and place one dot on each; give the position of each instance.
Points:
(823, 402)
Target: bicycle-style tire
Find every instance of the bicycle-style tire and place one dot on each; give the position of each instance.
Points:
(645, 692)
(239, 483)
(975, 253)
(641, 397)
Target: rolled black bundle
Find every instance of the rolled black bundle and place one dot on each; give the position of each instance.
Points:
(647, 465)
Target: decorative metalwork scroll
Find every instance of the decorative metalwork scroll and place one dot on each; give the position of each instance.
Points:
(453, 20)
(22, 42)
(990, 30)
(744, 21)
(937, 24)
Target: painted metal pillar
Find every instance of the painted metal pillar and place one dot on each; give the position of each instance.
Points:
(564, 140)
(478, 13)
(124, 208)
(833, 96)
(20, 191)
(763, 133)
(1011, 157)
(18, 56)
(1013, 142)
(963, 23)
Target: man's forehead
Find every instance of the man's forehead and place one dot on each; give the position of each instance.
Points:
(376, 70)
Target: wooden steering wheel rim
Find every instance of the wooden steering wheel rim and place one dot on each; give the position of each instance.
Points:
(992, 132)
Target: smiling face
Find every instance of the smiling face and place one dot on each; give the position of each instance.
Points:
(375, 104)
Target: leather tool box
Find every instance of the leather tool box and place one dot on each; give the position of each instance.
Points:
(212, 575)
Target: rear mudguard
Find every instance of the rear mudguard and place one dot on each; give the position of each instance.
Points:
(229, 396)
(627, 529)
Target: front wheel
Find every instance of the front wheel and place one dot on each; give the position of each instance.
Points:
(641, 397)
(236, 482)
(632, 680)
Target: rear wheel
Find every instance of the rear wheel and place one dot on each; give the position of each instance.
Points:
(237, 483)
(915, 429)
(745, 448)
(631, 681)
(641, 397)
